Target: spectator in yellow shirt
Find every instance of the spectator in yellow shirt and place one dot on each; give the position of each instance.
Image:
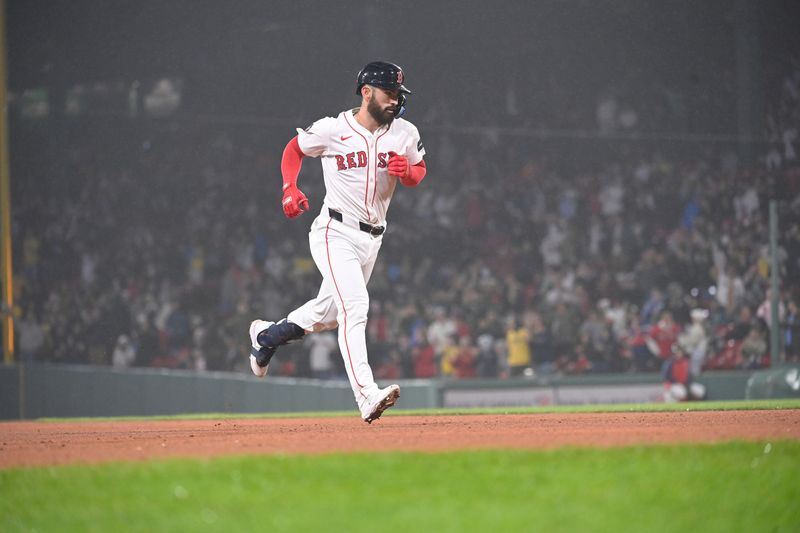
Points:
(449, 355)
(519, 352)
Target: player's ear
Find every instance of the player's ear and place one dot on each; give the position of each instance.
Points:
(366, 91)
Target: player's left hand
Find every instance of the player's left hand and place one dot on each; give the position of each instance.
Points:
(398, 166)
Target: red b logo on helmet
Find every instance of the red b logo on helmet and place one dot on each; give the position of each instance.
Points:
(399, 76)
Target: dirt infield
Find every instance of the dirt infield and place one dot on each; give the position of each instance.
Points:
(58, 443)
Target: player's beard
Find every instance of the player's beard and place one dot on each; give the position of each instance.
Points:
(381, 116)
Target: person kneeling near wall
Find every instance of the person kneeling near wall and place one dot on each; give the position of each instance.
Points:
(679, 383)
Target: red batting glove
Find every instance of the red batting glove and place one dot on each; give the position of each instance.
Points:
(294, 201)
(398, 166)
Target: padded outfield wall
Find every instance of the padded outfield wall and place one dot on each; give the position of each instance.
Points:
(40, 390)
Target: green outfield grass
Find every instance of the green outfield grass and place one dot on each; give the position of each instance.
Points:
(737, 405)
(728, 487)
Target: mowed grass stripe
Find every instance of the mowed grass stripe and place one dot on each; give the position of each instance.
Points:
(727, 487)
(607, 408)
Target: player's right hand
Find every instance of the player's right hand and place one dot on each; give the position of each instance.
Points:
(294, 202)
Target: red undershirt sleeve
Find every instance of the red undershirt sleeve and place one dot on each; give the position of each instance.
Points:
(291, 162)
(416, 173)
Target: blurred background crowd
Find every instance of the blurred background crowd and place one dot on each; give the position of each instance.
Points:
(532, 247)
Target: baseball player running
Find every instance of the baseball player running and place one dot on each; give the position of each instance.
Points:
(364, 153)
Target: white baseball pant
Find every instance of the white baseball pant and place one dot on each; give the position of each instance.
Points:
(345, 256)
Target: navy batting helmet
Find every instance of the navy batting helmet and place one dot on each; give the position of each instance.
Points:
(381, 74)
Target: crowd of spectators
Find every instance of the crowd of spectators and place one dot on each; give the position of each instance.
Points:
(155, 244)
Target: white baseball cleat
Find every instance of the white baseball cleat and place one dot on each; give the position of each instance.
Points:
(257, 354)
(374, 406)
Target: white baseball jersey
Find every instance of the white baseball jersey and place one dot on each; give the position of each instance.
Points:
(354, 162)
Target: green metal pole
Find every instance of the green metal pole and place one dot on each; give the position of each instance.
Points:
(6, 278)
(775, 339)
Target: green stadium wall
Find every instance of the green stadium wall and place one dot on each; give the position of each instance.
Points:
(782, 382)
(53, 391)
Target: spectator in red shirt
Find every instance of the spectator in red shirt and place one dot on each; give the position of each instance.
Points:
(464, 364)
(424, 357)
(663, 335)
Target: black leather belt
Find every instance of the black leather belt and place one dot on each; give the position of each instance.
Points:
(363, 226)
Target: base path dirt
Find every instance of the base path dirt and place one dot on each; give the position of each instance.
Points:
(57, 443)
